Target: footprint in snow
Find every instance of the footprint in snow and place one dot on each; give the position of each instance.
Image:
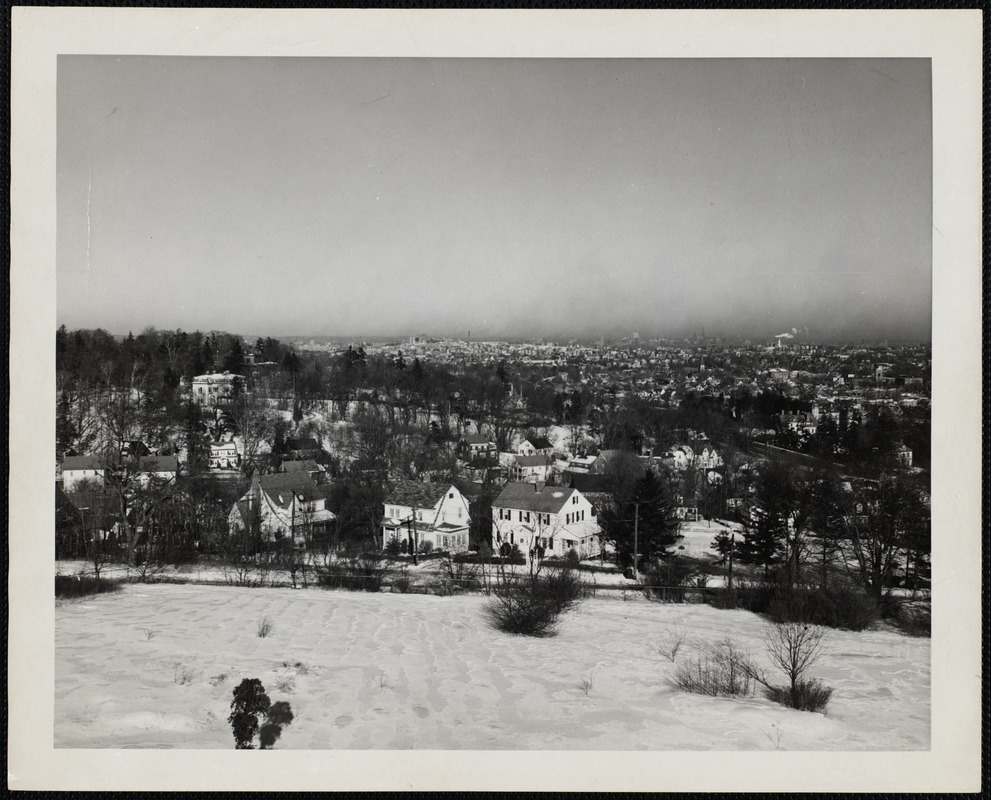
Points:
(421, 712)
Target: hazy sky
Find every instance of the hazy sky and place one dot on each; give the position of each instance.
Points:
(549, 197)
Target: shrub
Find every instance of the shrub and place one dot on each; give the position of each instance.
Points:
(725, 599)
(572, 557)
(562, 589)
(403, 583)
(69, 586)
(519, 610)
(393, 547)
(669, 578)
(810, 695)
(464, 573)
(672, 642)
(363, 573)
(840, 606)
(719, 670)
(249, 701)
(794, 647)
(912, 619)
(265, 627)
(755, 596)
(425, 547)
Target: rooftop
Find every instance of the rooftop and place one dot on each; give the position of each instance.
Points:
(415, 494)
(533, 497)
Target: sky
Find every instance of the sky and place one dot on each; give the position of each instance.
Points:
(495, 197)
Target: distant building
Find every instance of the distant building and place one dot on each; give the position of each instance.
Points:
(531, 469)
(555, 518)
(535, 445)
(309, 466)
(216, 388)
(79, 469)
(426, 512)
(224, 455)
(582, 465)
(477, 447)
(284, 506)
(903, 455)
(306, 447)
(93, 469)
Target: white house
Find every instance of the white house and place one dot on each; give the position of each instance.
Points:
(680, 458)
(535, 445)
(160, 469)
(477, 447)
(709, 458)
(224, 455)
(582, 465)
(215, 388)
(286, 505)
(77, 469)
(903, 455)
(530, 469)
(555, 518)
(416, 512)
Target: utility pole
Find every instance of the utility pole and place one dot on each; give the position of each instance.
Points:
(732, 547)
(412, 535)
(636, 526)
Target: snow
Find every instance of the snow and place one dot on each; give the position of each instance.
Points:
(699, 537)
(389, 671)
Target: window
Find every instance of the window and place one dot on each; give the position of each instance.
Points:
(451, 495)
(527, 516)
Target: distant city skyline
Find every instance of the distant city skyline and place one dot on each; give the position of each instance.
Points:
(516, 198)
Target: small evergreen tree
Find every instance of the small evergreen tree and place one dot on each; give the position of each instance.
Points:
(249, 701)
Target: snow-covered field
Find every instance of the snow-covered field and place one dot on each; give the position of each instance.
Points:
(154, 666)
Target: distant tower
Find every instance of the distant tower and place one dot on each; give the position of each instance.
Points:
(636, 336)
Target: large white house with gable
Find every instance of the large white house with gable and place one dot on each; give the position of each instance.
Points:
(555, 518)
(426, 512)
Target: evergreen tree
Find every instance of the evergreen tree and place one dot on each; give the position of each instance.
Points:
(249, 701)
(234, 360)
(648, 510)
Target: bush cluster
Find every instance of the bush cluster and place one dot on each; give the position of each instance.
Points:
(810, 695)
(840, 606)
(912, 619)
(68, 586)
(719, 670)
(723, 669)
(531, 606)
(844, 607)
(362, 574)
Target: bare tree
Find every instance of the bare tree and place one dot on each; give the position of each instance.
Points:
(254, 423)
(883, 522)
(794, 648)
